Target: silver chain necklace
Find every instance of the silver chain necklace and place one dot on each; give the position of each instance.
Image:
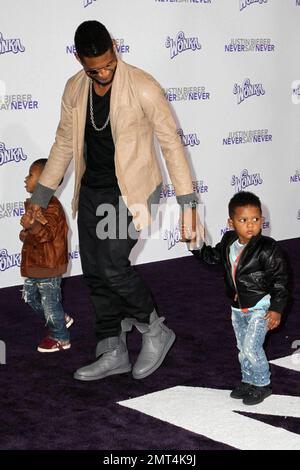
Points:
(99, 129)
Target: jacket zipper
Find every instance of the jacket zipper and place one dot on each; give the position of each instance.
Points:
(234, 283)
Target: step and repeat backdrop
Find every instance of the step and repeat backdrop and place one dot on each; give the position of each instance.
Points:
(230, 70)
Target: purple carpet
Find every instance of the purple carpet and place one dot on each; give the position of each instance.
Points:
(43, 407)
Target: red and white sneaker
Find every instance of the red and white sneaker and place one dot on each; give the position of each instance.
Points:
(49, 345)
(69, 320)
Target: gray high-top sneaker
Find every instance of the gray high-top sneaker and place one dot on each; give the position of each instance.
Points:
(112, 359)
(157, 340)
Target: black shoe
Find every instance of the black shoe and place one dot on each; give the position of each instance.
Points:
(241, 391)
(257, 395)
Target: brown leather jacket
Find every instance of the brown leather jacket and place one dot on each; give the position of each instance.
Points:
(45, 253)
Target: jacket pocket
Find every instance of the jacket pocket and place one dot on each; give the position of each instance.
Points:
(259, 279)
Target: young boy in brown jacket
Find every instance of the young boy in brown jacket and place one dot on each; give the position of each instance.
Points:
(44, 260)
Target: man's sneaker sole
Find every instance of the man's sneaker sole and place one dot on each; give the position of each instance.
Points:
(118, 370)
(64, 347)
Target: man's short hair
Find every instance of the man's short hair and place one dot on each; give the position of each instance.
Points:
(92, 39)
(242, 199)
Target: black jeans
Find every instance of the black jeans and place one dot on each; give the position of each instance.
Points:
(116, 290)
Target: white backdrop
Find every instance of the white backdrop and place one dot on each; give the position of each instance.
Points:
(230, 69)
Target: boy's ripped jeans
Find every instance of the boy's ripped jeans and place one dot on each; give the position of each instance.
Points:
(44, 296)
(250, 330)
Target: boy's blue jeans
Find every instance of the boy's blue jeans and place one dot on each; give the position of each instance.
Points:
(44, 296)
(250, 330)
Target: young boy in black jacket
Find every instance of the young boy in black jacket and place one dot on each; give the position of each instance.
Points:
(256, 282)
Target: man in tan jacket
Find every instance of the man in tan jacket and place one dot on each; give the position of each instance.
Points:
(110, 112)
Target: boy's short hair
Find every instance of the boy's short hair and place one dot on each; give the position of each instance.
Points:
(241, 199)
(41, 162)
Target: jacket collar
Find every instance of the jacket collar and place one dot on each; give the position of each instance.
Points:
(251, 245)
(253, 241)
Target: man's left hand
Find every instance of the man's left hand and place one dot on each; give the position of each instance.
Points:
(191, 229)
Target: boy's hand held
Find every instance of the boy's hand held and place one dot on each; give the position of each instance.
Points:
(37, 213)
(27, 220)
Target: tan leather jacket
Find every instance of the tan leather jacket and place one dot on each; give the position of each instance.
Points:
(45, 253)
(138, 110)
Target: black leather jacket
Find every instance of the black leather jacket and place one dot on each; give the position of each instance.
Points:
(261, 270)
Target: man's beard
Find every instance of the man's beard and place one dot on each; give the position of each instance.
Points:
(106, 83)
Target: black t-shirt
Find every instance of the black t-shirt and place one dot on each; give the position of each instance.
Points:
(99, 146)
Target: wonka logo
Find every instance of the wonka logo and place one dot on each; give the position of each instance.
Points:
(181, 44)
(246, 90)
(11, 155)
(9, 261)
(246, 3)
(172, 236)
(188, 139)
(245, 180)
(10, 45)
